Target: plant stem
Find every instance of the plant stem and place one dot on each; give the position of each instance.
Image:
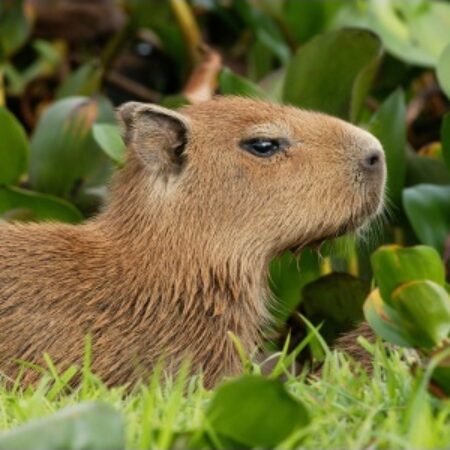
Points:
(399, 236)
(2, 89)
(189, 28)
(326, 267)
(115, 46)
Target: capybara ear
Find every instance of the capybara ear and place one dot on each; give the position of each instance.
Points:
(157, 135)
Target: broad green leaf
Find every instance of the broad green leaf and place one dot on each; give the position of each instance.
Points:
(394, 265)
(414, 31)
(14, 25)
(233, 84)
(443, 71)
(388, 124)
(256, 412)
(288, 275)
(332, 72)
(337, 299)
(382, 319)
(428, 22)
(428, 210)
(110, 141)
(174, 101)
(64, 154)
(441, 374)
(13, 148)
(260, 61)
(84, 426)
(264, 28)
(304, 19)
(361, 86)
(445, 139)
(425, 169)
(84, 81)
(21, 203)
(273, 84)
(424, 311)
(397, 33)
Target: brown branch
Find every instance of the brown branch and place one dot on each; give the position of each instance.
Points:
(132, 87)
(202, 83)
(189, 28)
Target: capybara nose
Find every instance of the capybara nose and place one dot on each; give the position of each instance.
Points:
(373, 160)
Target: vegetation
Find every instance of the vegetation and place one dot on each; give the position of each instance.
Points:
(381, 64)
(346, 409)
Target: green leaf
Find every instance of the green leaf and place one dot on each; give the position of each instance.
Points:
(36, 206)
(14, 26)
(415, 32)
(88, 425)
(174, 101)
(441, 374)
(425, 169)
(288, 275)
(273, 84)
(13, 148)
(337, 299)
(445, 139)
(428, 210)
(388, 124)
(424, 312)
(428, 23)
(384, 320)
(256, 412)
(110, 141)
(396, 34)
(306, 19)
(443, 71)
(64, 154)
(232, 84)
(264, 28)
(85, 81)
(333, 72)
(394, 265)
(260, 61)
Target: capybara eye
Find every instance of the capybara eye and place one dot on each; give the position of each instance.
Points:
(263, 147)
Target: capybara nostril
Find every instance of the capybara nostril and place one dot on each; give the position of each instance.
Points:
(372, 161)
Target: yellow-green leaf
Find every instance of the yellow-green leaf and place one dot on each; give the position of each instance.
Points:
(424, 311)
(13, 148)
(394, 265)
(382, 318)
(21, 203)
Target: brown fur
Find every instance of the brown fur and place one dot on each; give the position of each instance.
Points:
(349, 343)
(179, 255)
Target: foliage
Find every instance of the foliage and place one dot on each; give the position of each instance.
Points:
(347, 409)
(73, 427)
(383, 65)
(411, 307)
(253, 394)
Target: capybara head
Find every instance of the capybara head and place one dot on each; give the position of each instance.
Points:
(253, 173)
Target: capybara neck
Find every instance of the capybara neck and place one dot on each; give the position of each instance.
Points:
(193, 280)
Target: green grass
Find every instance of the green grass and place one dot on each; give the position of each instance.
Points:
(348, 408)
